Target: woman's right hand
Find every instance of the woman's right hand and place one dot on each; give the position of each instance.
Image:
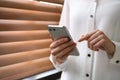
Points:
(61, 49)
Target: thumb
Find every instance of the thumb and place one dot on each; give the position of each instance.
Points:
(83, 37)
(87, 36)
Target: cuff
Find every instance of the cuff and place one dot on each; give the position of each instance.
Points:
(116, 57)
(61, 67)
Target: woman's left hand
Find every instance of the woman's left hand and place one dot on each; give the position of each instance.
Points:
(98, 40)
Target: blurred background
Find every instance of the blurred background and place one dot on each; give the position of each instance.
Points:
(25, 40)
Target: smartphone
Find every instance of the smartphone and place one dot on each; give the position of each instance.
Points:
(59, 32)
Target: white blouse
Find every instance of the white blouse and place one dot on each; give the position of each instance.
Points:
(81, 17)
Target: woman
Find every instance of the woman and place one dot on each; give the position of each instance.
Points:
(95, 28)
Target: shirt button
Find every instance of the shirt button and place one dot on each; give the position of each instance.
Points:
(87, 75)
(117, 61)
(91, 16)
(89, 55)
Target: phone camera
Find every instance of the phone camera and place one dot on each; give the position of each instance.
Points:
(54, 30)
(50, 29)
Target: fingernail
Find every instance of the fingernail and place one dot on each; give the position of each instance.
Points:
(66, 39)
(79, 40)
(74, 44)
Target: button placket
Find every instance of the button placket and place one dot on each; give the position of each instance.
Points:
(89, 61)
(91, 23)
(90, 55)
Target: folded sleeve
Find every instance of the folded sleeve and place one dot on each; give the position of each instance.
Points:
(64, 21)
(116, 57)
(61, 67)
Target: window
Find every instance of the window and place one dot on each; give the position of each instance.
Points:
(24, 39)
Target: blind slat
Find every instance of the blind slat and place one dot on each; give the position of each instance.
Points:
(15, 25)
(23, 56)
(19, 14)
(11, 36)
(31, 5)
(53, 1)
(29, 73)
(38, 65)
(13, 47)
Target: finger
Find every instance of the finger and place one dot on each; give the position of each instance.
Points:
(66, 51)
(99, 45)
(62, 57)
(94, 41)
(57, 50)
(87, 36)
(66, 55)
(95, 35)
(58, 42)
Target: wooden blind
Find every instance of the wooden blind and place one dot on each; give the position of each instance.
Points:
(24, 38)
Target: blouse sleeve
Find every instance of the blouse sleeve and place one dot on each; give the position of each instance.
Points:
(64, 21)
(65, 15)
(116, 57)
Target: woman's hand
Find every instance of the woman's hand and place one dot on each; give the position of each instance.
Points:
(98, 40)
(61, 49)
